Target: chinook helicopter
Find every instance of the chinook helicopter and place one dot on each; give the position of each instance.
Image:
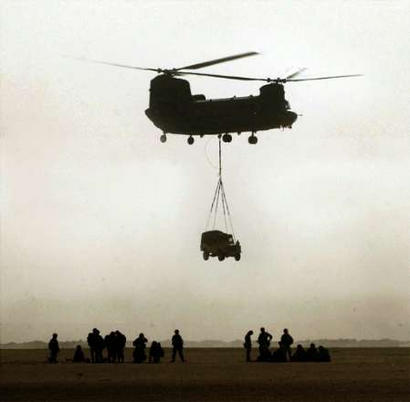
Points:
(175, 110)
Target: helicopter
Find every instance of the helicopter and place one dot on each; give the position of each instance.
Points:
(175, 110)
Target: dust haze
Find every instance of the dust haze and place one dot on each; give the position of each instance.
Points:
(101, 223)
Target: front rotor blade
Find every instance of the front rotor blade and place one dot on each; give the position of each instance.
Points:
(229, 77)
(116, 64)
(323, 78)
(217, 61)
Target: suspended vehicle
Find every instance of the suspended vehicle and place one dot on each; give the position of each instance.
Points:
(219, 244)
(175, 110)
(215, 243)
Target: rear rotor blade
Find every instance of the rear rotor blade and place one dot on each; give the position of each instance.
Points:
(296, 73)
(217, 61)
(322, 78)
(277, 80)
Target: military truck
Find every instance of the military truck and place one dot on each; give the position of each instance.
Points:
(215, 243)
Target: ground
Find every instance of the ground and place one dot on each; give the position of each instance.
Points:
(209, 375)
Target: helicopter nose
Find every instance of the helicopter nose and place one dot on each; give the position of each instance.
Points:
(291, 118)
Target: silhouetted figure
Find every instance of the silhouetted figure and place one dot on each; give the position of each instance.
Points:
(248, 345)
(279, 355)
(264, 339)
(299, 355)
(286, 341)
(264, 355)
(177, 346)
(312, 353)
(155, 352)
(139, 351)
(99, 347)
(90, 341)
(323, 355)
(53, 349)
(119, 345)
(78, 355)
(96, 345)
(109, 341)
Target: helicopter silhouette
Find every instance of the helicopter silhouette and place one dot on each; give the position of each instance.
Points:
(175, 110)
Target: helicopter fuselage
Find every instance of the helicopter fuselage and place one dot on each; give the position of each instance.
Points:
(173, 109)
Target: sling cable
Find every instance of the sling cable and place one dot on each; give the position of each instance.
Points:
(216, 243)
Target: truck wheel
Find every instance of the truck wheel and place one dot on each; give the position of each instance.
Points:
(206, 255)
(237, 257)
(221, 257)
(227, 137)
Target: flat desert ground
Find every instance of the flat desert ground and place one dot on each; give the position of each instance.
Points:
(209, 375)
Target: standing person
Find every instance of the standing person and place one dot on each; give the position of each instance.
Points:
(264, 339)
(286, 341)
(139, 351)
(177, 346)
(53, 349)
(109, 341)
(99, 347)
(248, 345)
(92, 343)
(120, 341)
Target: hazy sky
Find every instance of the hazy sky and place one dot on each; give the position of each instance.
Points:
(101, 223)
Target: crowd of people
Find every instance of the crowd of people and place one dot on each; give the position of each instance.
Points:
(114, 343)
(283, 353)
(156, 351)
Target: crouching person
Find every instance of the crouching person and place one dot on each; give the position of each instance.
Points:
(312, 353)
(299, 355)
(155, 352)
(279, 355)
(323, 355)
(78, 355)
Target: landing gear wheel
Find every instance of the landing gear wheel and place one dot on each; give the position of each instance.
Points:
(237, 257)
(252, 139)
(205, 255)
(221, 257)
(163, 138)
(190, 140)
(227, 137)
